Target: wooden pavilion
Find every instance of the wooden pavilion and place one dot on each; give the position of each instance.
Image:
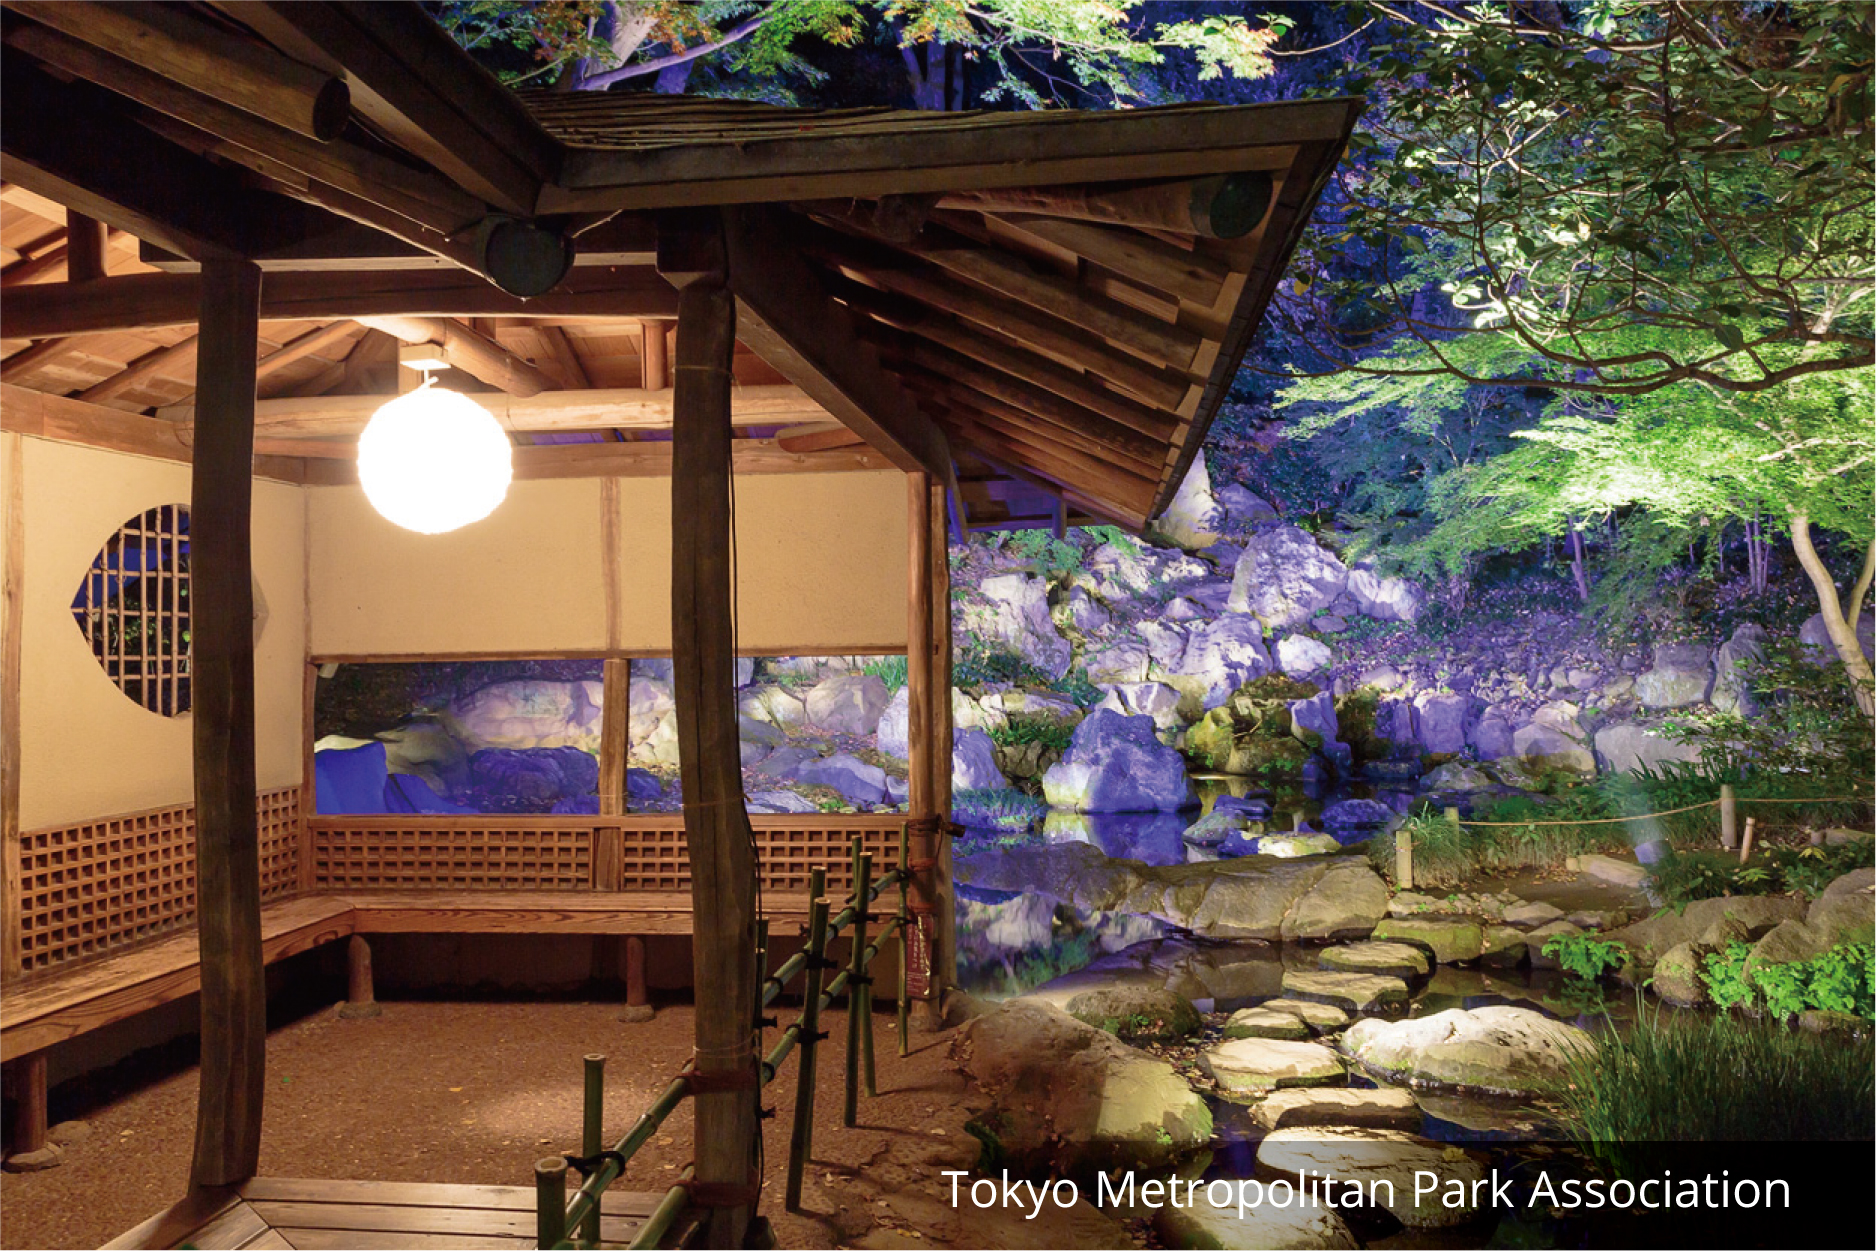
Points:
(223, 225)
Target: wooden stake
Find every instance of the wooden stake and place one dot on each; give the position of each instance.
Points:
(857, 1006)
(637, 1001)
(722, 850)
(1745, 844)
(801, 1137)
(227, 851)
(1729, 817)
(359, 998)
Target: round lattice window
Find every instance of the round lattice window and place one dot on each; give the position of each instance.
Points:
(133, 609)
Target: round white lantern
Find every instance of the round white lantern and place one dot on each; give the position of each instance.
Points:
(434, 460)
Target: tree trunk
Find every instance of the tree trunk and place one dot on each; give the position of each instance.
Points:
(1841, 629)
(1578, 570)
(936, 74)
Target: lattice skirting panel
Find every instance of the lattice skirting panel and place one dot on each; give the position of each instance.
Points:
(456, 853)
(653, 854)
(88, 888)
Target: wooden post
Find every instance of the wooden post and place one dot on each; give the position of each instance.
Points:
(85, 239)
(360, 1001)
(1403, 859)
(1745, 844)
(614, 747)
(654, 375)
(944, 970)
(857, 1005)
(227, 850)
(637, 1001)
(801, 1137)
(1729, 817)
(921, 696)
(12, 603)
(31, 1152)
(722, 847)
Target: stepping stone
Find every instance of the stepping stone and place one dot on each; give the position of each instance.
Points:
(1535, 913)
(1372, 1109)
(1615, 872)
(1263, 1023)
(48, 1156)
(1301, 1223)
(1322, 1018)
(1449, 941)
(1372, 1156)
(1269, 1063)
(1357, 993)
(1503, 947)
(1390, 959)
(1497, 1049)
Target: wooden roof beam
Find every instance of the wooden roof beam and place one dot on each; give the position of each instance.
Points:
(408, 77)
(475, 354)
(145, 301)
(786, 315)
(1137, 257)
(151, 187)
(631, 460)
(900, 275)
(147, 366)
(1217, 206)
(614, 408)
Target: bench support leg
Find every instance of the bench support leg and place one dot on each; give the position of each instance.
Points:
(359, 1000)
(31, 1151)
(637, 1002)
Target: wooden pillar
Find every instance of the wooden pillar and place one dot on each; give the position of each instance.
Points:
(703, 662)
(85, 239)
(944, 914)
(654, 373)
(227, 851)
(361, 998)
(26, 1079)
(637, 997)
(922, 748)
(12, 601)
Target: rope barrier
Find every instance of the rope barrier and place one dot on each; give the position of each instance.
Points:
(1649, 816)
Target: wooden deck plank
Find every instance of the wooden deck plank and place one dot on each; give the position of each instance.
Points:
(404, 1218)
(425, 1194)
(368, 1240)
(268, 1240)
(173, 1225)
(233, 1227)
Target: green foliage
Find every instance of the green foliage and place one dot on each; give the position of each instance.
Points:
(1585, 956)
(1684, 876)
(1686, 1077)
(997, 808)
(892, 670)
(980, 664)
(1078, 686)
(1051, 557)
(1053, 735)
(1842, 979)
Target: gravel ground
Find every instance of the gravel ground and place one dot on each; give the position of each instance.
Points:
(475, 1092)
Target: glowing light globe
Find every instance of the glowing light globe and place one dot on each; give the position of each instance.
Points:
(433, 461)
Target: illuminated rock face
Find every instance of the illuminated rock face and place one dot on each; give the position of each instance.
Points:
(1117, 764)
(1284, 579)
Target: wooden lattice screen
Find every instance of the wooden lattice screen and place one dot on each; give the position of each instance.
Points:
(133, 609)
(454, 853)
(85, 889)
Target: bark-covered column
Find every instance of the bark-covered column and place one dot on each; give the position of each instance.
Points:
(221, 683)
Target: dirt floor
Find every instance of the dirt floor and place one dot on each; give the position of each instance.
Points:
(476, 1092)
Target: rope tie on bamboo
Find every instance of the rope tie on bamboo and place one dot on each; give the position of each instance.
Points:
(587, 1165)
(721, 1194)
(932, 825)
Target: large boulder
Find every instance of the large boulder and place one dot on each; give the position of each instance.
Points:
(974, 762)
(1118, 764)
(849, 703)
(1815, 638)
(857, 781)
(1844, 913)
(1283, 578)
(1299, 655)
(1243, 508)
(1146, 699)
(1682, 675)
(1313, 723)
(1217, 658)
(1123, 661)
(1368, 1157)
(1070, 1098)
(535, 776)
(1137, 1013)
(1083, 611)
(526, 714)
(1754, 915)
(892, 734)
(1016, 613)
(1555, 741)
(1492, 735)
(1440, 720)
(1732, 669)
(1192, 519)
(1626, 748)
(1498, 1049)
(1385, 599)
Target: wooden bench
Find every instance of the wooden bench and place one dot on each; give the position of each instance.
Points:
(62, 1003)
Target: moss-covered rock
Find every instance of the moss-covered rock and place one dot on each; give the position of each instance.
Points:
(1264, 1023)
(1137, 1013)
(1451, 940)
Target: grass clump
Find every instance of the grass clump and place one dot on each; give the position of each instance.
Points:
(1053, 735)
(997, 808)
(1689, 1078)
(892, 670)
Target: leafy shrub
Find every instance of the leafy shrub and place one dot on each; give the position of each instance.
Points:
(892, 670)
(1682, 877)
(1842, 979)
(997, 808)
(1586, 956)
(1053, 735)
(1078, 686)
(1697, 1078)
(978, 664)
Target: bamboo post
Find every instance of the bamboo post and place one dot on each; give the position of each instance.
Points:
(1403, 859)
(1729, 817)
(592, 1135)
(550, 1201)
(905, 939)
(856, 982)
(801, 1137)
(1745, 844)
(716, 824)
(360, 998)
(227, 847)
